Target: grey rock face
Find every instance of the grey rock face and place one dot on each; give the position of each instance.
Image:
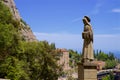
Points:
(11, 5)
(26, 32)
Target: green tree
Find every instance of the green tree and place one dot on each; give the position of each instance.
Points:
(102, 56)
(111, 56)
(53, 46)
(107, 77)
(12, 68)
(74, 57)
(110, 59)
(21, 60)
(10, 65)
(110, 64)
(41, 62)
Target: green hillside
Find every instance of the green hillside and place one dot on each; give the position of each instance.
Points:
(21, 60)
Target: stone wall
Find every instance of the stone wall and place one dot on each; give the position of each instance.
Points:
(64, 59)
(87, 71)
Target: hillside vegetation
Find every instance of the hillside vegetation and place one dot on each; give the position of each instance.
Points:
(21, 60)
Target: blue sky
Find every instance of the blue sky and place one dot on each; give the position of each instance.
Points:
(60, 21)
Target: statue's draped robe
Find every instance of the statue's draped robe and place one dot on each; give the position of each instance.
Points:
(87, 35)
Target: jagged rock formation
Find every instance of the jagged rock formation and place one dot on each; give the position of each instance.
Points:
(11, 5)
(26, 32)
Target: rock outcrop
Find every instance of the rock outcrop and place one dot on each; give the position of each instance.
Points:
(26, 32)
(11, 5)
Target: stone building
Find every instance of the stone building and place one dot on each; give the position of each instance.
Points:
(100, 64)
(117, 66)
(64, 59)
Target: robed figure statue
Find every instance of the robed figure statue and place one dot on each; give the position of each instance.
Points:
(87, 35)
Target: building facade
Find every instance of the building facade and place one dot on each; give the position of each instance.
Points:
(64, 59)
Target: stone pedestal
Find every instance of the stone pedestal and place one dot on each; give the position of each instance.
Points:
(87, 71)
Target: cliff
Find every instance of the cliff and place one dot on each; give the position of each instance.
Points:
(26, 31)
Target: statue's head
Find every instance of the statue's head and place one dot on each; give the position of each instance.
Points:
(86, 20)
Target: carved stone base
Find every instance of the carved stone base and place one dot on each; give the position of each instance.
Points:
(87, 71)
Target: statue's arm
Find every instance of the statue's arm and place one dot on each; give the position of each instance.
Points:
(86, 33)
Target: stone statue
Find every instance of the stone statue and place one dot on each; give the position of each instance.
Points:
(87, 35)
(87, 69)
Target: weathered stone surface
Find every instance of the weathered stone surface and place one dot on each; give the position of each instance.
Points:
(11, 5)
(26, 32)
(87, 36)
(64, 59)
(87, 71)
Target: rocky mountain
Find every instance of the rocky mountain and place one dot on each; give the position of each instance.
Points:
(26, 31)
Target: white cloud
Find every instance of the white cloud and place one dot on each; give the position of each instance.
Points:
(116, 10)
(97, 7)
(76, 19)
(62, 40)
(107, 42)
(74, 41)
(94, 11)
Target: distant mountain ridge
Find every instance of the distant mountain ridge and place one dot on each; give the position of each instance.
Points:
(26, 31)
